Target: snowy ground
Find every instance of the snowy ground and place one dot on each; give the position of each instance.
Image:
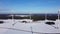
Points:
(38, 27)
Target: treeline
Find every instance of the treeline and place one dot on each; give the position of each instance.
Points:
(34, 17)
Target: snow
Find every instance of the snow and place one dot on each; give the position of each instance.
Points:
(39, 27)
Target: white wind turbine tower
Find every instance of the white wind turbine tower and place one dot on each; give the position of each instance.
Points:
(58, 20)
(46, 17)
(12, 15)
(51, 21)
(13, 20)
(30, 23)
(58, 14)
(30, 15)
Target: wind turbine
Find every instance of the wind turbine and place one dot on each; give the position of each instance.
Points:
(58, 14)
(12, 15)
(13, 20)
(30, 16)
(51, 21)
(46, 17)
(30, 23)
(58, 20)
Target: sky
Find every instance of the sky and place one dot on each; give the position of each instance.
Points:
(29, 6)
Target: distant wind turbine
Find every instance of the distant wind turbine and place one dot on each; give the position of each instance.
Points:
(58, 14)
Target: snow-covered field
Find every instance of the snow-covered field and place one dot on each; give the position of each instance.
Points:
(38, 27)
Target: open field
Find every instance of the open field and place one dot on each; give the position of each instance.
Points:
(25, 28)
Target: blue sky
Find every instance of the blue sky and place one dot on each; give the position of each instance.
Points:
(29, 6)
